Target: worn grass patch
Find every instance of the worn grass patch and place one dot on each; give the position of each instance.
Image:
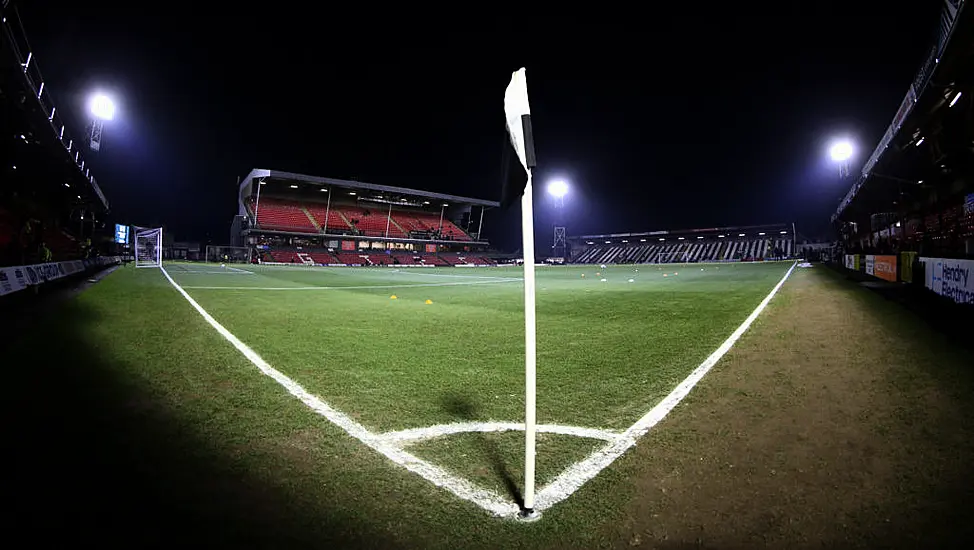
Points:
(496, 460)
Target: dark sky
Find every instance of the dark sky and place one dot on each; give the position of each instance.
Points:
(660, 117)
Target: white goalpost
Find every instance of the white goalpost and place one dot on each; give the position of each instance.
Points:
(148, 247)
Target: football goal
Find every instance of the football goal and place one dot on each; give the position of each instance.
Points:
(148, 247)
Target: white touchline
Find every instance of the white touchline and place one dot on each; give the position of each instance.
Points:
(390, 444)
(351, 287)
(460, 487)
(579, 473)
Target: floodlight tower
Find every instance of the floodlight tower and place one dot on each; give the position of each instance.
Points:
(558, 189)
(841, 152)
(102, 108)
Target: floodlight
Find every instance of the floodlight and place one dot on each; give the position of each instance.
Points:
(841, 150)
(558, 189)
(102, 107)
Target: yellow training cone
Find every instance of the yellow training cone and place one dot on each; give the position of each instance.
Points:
(598, 274)
(428, 302)
(664, 275)
(583, 275)
(393, 297)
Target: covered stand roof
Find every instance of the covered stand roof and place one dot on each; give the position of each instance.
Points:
(734, 231)
(246, 187)
(924, 146)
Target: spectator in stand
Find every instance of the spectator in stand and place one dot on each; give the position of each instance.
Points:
(44, 253)
(86, 249)
(26, 237)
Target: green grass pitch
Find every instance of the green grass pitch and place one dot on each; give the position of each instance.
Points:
(449, 347)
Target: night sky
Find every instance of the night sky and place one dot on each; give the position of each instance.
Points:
(660, 118)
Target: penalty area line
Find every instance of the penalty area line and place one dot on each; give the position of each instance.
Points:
(488, 500)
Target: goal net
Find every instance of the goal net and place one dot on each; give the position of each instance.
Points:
(148, 247)
(227, 254)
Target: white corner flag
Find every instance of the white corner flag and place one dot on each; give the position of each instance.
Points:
(517, 183)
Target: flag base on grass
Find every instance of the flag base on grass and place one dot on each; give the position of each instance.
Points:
(528, 516)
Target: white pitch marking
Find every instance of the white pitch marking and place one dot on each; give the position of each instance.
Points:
(462, 276)
(239, 272)
(226, 270)
(488, 500)
(350, 287)
(569, 481)
(581, 472)
(413, 435)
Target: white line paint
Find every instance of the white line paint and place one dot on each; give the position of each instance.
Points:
(579, 473)
(459, 276)
(488, 500)
(350, 287)
(228, 270)
(573, 478)
(214, 273)
(414, 435)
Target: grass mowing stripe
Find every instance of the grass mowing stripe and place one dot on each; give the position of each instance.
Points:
(462, 488)
(349, 287)
(581, 472)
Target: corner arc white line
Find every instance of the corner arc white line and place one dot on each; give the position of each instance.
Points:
(563, 486)
(413, 435)
(488, 500)
(581, 472)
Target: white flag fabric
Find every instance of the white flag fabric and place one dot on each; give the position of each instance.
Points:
(515, 106)
(518, 151)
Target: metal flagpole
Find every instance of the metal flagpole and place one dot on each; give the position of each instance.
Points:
(388, 220)
(257, 203)
(518, 116)
(530, 343)
(794, 241)
(442, 208)
(324, 228)
(480, 226)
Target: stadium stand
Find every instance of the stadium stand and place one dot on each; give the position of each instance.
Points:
(403, 258)
(373, 223)
(283, 215)
(733, 244)
(909, 215)
(51, 207)
(296, 219)
(329, 221)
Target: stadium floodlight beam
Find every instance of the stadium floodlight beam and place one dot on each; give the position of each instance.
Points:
(841, 152)
(102, 107)
(558, 189)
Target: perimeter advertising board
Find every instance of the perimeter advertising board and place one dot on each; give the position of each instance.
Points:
(884, 267)
(950, 278)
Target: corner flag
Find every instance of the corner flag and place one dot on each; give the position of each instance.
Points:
(517, 184)
(519, 148)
